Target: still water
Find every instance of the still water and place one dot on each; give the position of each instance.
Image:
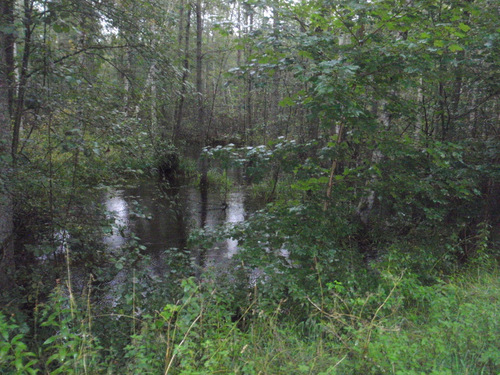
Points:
(162, 217)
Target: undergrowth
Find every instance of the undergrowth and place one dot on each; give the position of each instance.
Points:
(403, 327)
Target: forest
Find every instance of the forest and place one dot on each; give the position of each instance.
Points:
(249, 187)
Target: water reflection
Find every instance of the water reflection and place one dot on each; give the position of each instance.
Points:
(161, 217)
(157, 218)
(235, 214)
(118, 213)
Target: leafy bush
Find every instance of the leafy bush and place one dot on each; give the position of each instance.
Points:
(402, 327)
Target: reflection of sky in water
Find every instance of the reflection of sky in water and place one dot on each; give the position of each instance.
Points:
(163, 230)
(165, 224)
(161, 218)
(118, 210)
(235, 214)
(214, 212)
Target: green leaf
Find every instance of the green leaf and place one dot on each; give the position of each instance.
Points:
(50, 340)
(60, 28)
(305, 54)
(52, 358)
(464, 27)
(455, 48)
(286, 102)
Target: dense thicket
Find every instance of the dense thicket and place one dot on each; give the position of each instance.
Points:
(369, 128)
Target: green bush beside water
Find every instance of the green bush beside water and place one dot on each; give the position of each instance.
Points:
(404, 327)
(314, 289)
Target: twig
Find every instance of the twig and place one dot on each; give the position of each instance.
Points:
(182, 342)
(382, 305)
(75, 53)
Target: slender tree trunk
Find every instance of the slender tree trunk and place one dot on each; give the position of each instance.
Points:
(6, 210)
(457, 92)
(185, 66)
(150, 82)
(442, 111)
(420, 114)
(23, 78)
(199, 92)
(215, 93)
(199, 68)
(366, 203)
(126, 81)
(153, 108)
(181, 27)
(333, 169)
(8, 48)
(249, 88)
(238, 23)
(275, 92)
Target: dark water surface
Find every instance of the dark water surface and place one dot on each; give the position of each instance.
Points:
(162, 218)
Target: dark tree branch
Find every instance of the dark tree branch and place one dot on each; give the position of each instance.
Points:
(76, 53)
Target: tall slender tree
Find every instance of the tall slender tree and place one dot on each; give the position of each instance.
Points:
(199, 69)
(6, 100)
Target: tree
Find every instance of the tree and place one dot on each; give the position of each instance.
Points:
(6, 99)
(199, 68)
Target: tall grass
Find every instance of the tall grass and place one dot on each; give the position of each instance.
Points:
(402, 328)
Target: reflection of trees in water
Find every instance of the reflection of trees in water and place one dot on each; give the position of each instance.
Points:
(161, 216)
(201, 253)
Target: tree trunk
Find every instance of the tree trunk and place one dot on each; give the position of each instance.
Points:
(275, 92)
(199, 68)
(23, 78)
(181, 27)
(333, 169)
(8, 47)
(185, 73)
(249, 101)
(6, 210)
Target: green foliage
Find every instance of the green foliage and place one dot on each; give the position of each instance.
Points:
(15, 357)
(219, 180)
(400, 327)
(260, 161)
(455, 333)
(71, 347)
(384, 184)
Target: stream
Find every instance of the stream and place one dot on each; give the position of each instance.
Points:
(161, 218)
(149, 224)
